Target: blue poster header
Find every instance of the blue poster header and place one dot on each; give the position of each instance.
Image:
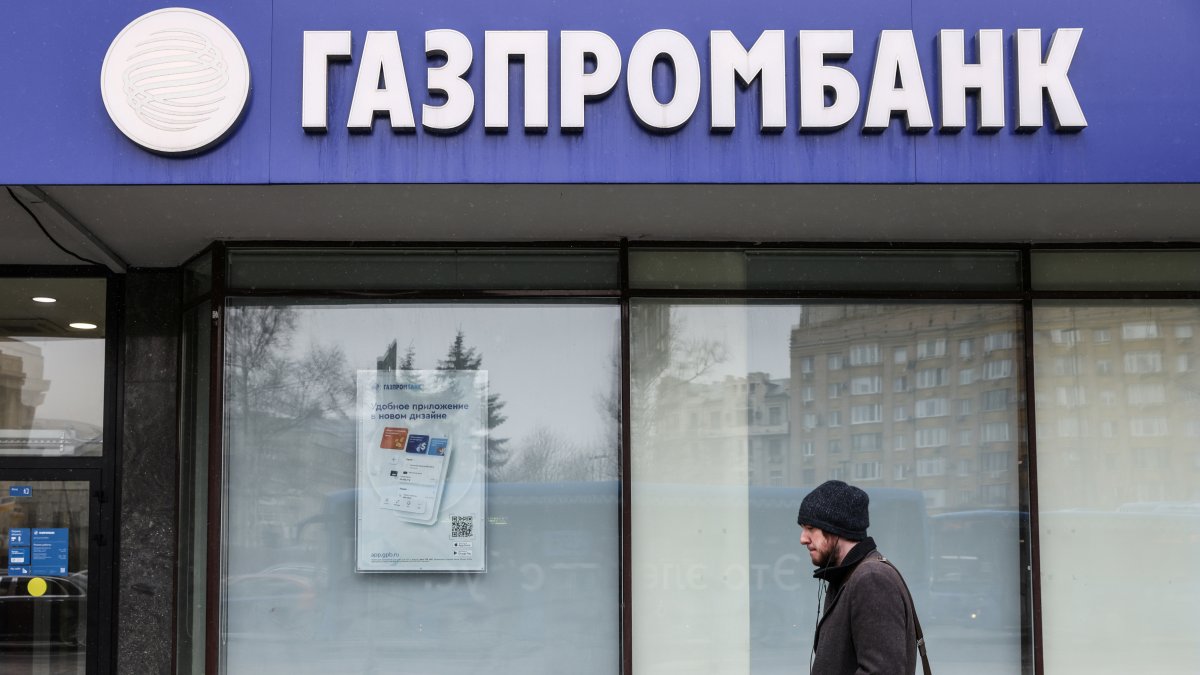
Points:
(540, 91)
(39, 552)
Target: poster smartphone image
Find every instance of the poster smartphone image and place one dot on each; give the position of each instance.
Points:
(421, 471)
(409, 472)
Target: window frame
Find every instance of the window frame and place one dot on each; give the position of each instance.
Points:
(1020, 348)
(101, 472)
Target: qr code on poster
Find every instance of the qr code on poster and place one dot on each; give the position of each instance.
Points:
(462, 527)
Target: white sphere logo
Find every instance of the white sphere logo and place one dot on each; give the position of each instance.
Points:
(175, 80)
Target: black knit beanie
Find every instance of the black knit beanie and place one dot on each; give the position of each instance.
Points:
(836, 508)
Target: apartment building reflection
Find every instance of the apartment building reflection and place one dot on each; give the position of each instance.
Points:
(731, 415)
(930, 398)
(1118, 406)
(918, 397)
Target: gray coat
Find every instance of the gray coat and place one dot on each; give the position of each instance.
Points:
(867, 627)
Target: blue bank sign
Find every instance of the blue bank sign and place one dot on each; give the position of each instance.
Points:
(540, 91)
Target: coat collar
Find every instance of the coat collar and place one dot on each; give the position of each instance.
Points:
(836, 578)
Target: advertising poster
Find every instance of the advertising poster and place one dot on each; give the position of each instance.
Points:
(422, 471)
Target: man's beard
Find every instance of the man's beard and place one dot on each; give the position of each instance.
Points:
(824, 558)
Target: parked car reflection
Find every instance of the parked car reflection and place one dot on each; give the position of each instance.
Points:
(57, 618)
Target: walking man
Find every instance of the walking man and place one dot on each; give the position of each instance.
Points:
(868, 625)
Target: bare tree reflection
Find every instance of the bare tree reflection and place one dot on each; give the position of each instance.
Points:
(278, 399)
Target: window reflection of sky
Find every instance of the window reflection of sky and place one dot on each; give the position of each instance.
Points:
(756, 336)
(561, 394)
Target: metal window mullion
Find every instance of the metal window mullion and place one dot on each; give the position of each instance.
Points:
(214, 559)
(624, 471)
(1031, 493)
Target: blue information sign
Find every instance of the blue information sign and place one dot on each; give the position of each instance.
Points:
(18, 537)
(20, 491)
(48, 552)
(18, 552)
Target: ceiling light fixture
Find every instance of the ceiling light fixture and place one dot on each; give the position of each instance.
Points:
(82, 325)
(45, 299)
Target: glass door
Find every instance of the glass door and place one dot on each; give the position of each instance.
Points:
(57, 363)
(47, 520)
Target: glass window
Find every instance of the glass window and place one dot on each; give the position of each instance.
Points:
(931, 407)
(1146, 394)
(1070, 396)
(46, 534)
(1143, 362)
(996, 341)
(960, 270)
(995, 399)
(544, 450)
(1149, 426)
(867, 470)
(774, 269)
(928, 349)
(994, 432)
(714, 536)
(864, 355)
(1067, 336)
(368, 269)
(866, 442)
(965, 348)
(1119, 468)
(1122, 270)
(932, 377)
(931, 466)
(1139, 330)
(865, 385)
(52, 360)
(996, 462)
(932, 437)
(1066, 365)
(997, 370)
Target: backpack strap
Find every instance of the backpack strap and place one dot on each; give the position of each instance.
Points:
(916, 620)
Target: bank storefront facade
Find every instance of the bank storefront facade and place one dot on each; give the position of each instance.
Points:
(355, 338)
